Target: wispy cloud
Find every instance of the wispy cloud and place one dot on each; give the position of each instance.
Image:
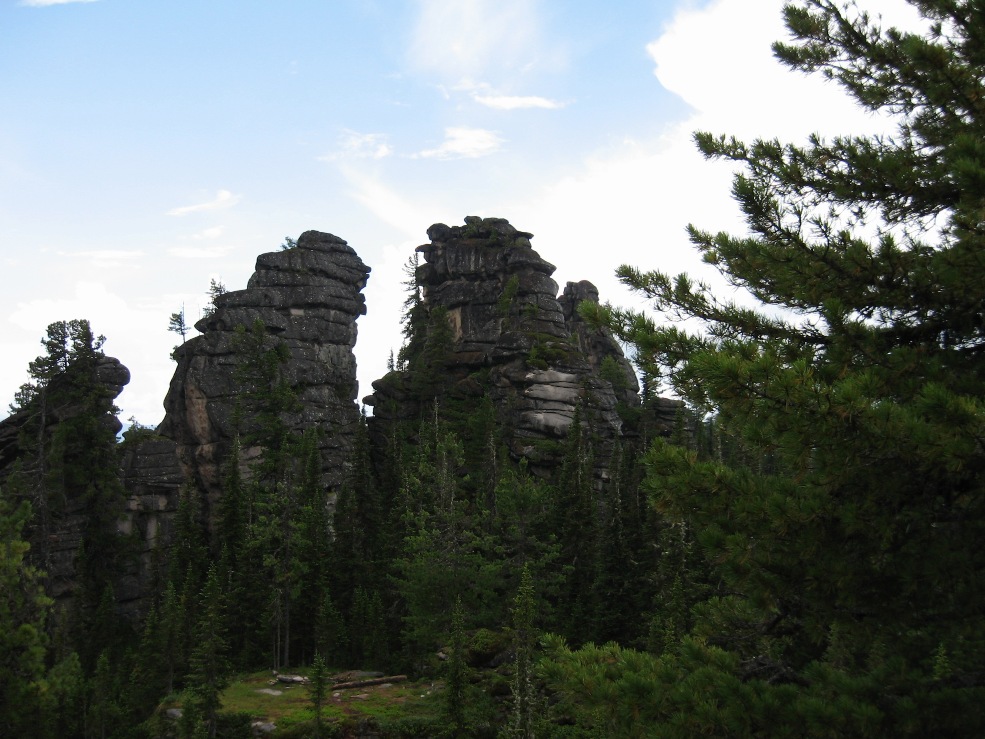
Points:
(464, 143)
(45, 3)
(386, 204)
(223, 199)
(355, 145)
(484, 94)
(209, 233)
(469, 37)
(516, 102)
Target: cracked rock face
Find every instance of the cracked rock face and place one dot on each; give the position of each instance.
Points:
(308, 299)
(514, 339)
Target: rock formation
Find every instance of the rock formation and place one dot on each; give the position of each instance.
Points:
(512, 338)
(55, 538)
(489, 327)
(152, 479)
(307, 299)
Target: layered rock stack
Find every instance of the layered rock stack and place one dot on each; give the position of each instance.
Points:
(513, 339)
(307, 299)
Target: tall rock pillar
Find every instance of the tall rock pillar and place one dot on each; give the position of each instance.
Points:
(308, 298)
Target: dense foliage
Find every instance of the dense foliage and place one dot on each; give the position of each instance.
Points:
(852, 580)
(799, 557)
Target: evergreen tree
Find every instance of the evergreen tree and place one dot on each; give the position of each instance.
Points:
(172, 637)
(105, 715)
(63, 707)
(283, 497)
(522, 715)
(215, 291)
(456, 673)
(67, 456)
(209, 665)
(851, 560)
(331, 637)
(576, 514)
(414, 319)
(176, 323)
(446, 552)
(368, 626)
(319, 686)
(23, 613)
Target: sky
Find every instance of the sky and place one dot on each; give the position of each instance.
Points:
(150, 146)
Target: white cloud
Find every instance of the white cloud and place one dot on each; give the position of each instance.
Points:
(45, 3)
(515, 102)
(630, 204)
(223, 199)
(735, 84)
(355, 145)
(484, 94)
(391, 208)
(208, 234)
(467, 37)
(462, 142)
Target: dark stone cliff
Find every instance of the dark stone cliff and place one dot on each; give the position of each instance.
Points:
(489, 327)
(307, 298)
(509, 337)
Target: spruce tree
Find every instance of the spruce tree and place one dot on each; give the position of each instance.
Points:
(853, 559)
(319, 686)
(67, 458)
(24, 610)
(209, 665)
(456, 674)
(522, 717)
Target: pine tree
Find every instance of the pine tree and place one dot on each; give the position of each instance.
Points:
(209, 665)
(176, 323)
(105, 715)
(23, 614)
(522, 718)
(853, 557)
(331, 637)
(67, 454)
(172, 639)
(446, 553)
(576, 514)
(456, 674)
(63, 708)
(319, 685)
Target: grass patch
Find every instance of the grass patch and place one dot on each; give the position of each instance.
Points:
(289, 705)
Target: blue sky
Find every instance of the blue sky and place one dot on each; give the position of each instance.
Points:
(148, 146)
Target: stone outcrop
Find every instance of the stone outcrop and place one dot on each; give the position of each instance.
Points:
(307, 299)
(491, 328)
(55, 542)
(514, 339)
(152, 479)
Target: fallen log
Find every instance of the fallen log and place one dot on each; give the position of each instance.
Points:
(297, 679)
(372, 681)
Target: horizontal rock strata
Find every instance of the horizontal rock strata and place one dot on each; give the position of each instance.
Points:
(513, 339)
(307, 298)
